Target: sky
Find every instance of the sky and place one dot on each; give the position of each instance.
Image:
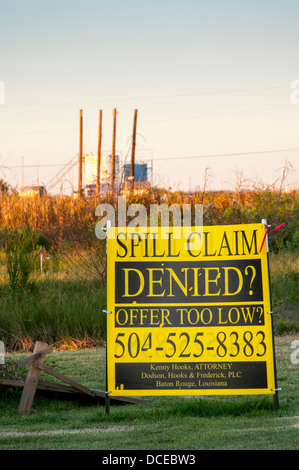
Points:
(211, 80)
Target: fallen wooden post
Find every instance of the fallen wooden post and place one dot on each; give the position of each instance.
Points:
(33, 382)
(36, 355)
(59, 376)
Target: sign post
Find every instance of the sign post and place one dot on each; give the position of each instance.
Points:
(189, 314)
(276, 400)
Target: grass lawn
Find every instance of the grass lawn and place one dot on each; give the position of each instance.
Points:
(58, 309)
(157, 423)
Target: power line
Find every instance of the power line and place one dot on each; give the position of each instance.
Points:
(35, 166)
(227, 154)
(157, 121)
(186, 157)
(150, 97)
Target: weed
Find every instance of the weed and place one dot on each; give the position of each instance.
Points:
(20, 259)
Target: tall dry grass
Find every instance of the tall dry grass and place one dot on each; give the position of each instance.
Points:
(69, 309)
(69, 219)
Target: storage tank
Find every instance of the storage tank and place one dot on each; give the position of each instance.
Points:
(140, 171)
(90, 173)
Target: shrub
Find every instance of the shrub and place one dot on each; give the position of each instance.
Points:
(20, 259)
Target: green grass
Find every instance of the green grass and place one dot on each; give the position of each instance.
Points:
(157, 423)
(284, 270)
(58, 308)
(53, 309)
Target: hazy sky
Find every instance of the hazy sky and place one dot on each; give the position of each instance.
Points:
(207, 77)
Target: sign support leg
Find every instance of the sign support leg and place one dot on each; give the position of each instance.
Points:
(107, 398)
(107, 404)
(276, 400)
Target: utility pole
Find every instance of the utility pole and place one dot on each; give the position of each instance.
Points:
(132, 169)
(113, 155)
(80, 154)
(99, 155)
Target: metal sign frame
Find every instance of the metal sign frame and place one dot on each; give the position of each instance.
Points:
(190, 315)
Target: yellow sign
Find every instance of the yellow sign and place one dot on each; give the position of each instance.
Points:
(189, 314)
